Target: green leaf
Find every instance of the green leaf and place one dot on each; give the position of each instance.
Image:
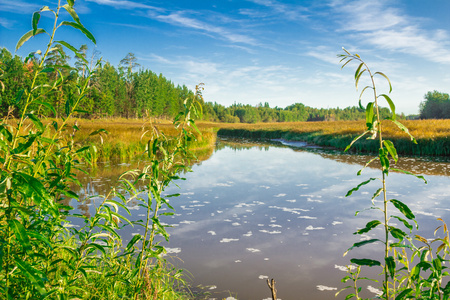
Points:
(397, 233)
(369, 226)
(48, 105)
(81, 28)
(98, 131)
(403, 208)
(391, 104)
(20, 233)
(35, 21)
(358, 69)
(28, 35)
(133, 241)
(369, 115)
(74, 50)
(359, 185)
(359, 77)
(409, 173)
(362, 243)
(390, 265)
(391, 149)
(95, 246)
(72, 12)
(36, 121)
(19, 96)
(71, 2)
(403, 128)
(355, 139)
(365, 262)
(30, 273)
(406, 223)
(403, 294)
(382, 74)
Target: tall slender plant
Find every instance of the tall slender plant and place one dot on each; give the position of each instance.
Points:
(43, 253)
(401, 276)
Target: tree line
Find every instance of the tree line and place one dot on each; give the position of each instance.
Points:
(132, 92)
(114, 92)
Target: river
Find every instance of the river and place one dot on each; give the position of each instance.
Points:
(256, 211)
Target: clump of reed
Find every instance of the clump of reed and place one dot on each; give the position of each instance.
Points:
(433, 136)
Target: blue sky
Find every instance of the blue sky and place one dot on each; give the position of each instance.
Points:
(252, 51)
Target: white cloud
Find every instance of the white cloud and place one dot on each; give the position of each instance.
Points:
(178, 19)
(388, 28)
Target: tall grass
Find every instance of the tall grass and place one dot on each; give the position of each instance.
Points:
(433, 136)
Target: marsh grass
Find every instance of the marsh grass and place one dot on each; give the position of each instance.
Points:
(433, 136)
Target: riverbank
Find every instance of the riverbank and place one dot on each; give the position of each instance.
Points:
(433, 136)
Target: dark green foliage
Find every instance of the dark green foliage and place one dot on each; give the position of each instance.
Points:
(435, 106)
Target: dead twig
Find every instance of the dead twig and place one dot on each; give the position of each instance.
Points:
(271, 285)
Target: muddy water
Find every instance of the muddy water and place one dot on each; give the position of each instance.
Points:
(257, 211)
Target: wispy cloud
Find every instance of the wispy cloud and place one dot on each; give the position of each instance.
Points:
(377, 23)
(290, 12)
(178, 19)
(6, 23)
(12, 6)
(125, 4)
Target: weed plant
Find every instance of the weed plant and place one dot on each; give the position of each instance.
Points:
(44, 253)
(408, 271)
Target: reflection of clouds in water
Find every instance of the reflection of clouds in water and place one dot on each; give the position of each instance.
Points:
(270, 232)
(228, 184)
(374, 290)
(173, 250)
(291, 210)
(310, 227)
(227, 240)
(253, 250)
(326, 288)
(311, 200)
(307, 217)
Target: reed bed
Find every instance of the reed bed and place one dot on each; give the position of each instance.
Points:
(433, 136)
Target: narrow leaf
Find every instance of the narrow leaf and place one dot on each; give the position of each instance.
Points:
(359, 244)
(72, 12)
(369, 226)
(357, 187)
(81, 28)
(28, 35)
(355, 139)
(382, 74)
(403, 128)
(391, 104)
(20, 233)
(365, 262)
(390, 265)
(35, 21)
(391, 149)
(409, 173)
(403, 208)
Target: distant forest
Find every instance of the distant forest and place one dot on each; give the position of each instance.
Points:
(132, 92)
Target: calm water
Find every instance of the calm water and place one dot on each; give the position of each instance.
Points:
(257, 211)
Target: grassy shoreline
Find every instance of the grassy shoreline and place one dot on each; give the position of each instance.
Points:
(433, 136)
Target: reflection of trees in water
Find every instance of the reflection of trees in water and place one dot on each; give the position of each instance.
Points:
(105, 176)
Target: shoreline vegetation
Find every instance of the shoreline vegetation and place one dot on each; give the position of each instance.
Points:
(122, 138)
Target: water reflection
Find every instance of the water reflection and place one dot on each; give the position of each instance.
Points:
(254, 211)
